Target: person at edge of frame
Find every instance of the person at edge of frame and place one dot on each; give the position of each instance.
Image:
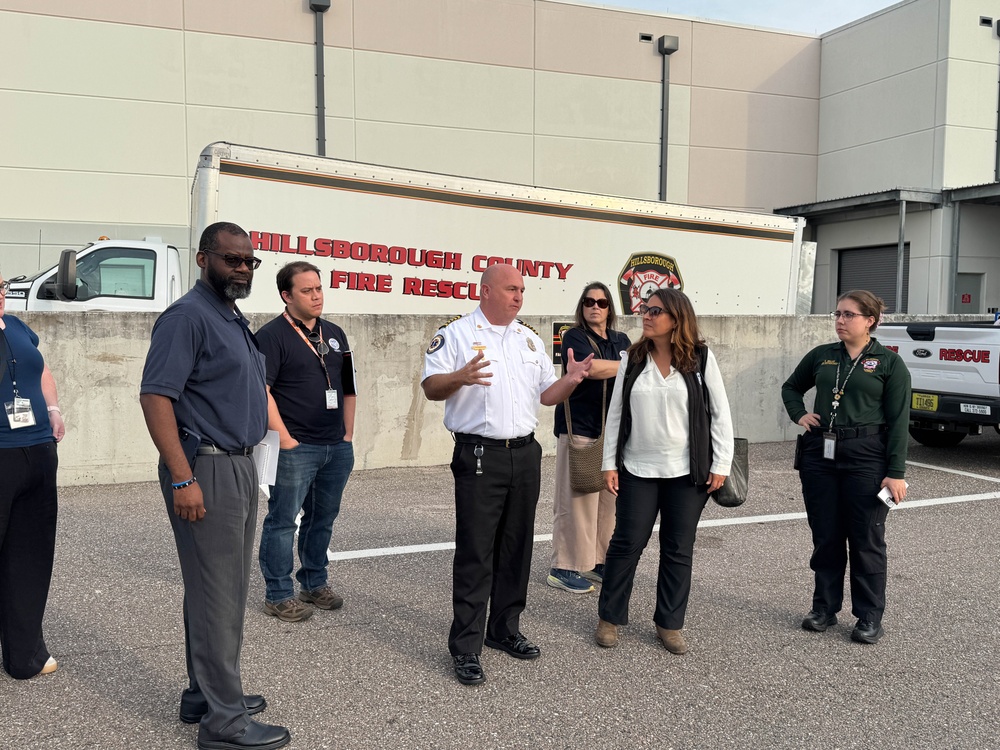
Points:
(205, 404)
(583, 521)
(311, 402)
(854, 445)
(491, 370)
(29, 500)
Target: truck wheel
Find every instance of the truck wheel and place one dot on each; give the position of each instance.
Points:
(936, 438)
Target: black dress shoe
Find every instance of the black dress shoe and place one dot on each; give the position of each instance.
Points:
(866, 632)
(517, 646)
(255, 736)
(468, 670)
(818, 621)
(192, 711)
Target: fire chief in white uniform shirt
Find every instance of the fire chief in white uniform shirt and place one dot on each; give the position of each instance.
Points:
(491, 370)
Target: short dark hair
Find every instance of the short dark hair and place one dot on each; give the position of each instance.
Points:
(210, 237)
(580, 320)
(290, 270)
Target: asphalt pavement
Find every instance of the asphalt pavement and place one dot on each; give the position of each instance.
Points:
(377, 674)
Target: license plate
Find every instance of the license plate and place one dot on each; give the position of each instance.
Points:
(924, 402)
(975, 409)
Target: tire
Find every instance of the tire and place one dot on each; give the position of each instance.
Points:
(937, 438)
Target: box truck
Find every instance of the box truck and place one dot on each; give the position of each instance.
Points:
(389, 240)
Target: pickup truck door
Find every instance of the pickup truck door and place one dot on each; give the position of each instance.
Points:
(107, 278)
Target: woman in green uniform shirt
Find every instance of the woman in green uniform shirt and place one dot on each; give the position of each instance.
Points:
(854, 445)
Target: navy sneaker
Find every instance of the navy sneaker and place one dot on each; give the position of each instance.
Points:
(569, 580)
(596, 575)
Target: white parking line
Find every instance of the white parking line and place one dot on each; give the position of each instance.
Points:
(739, 521)
(953, 471)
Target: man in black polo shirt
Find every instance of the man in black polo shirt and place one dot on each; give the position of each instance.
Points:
(311, 402)
(205, 406)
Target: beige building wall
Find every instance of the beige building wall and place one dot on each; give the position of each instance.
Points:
(104, 135)
(922, 113)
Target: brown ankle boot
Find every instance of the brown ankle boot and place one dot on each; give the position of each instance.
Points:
(606, 635)
(672, 640)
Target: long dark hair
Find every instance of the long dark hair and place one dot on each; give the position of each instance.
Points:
(580, 320)
(685, 336)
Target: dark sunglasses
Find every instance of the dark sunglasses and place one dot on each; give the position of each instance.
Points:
(319, 343)
(653, 312)
(590, 302)
(235, 261)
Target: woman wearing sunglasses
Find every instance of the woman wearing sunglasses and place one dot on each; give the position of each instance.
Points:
(854, 445)
(674, 446)
(583, 521)
(29, 430)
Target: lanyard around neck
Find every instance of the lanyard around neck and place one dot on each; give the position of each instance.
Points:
(319, 330)
(838, 389)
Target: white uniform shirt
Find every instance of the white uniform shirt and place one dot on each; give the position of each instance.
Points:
(508, 407)
(658, 445)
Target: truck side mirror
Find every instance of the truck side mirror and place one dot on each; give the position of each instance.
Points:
(66, 276)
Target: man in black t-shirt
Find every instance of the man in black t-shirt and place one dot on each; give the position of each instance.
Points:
(311, 404)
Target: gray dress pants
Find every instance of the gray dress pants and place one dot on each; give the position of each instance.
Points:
(215, 554)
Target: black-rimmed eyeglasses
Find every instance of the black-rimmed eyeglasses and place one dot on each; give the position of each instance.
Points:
(4, 287)
(653, 312)
(235, 261)
(590, 302)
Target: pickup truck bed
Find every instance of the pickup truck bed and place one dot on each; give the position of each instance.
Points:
(955, 369)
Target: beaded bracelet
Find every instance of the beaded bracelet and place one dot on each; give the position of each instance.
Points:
(182, 485)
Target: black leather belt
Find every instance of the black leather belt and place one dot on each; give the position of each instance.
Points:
(844, 433)
(207, 449)
(462, 437)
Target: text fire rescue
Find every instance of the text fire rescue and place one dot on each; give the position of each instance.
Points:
(323, 247)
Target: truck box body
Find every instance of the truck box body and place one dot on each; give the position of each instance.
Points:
(392, 240)
(395, 240)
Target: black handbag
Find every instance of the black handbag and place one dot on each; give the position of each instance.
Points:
(733, 492)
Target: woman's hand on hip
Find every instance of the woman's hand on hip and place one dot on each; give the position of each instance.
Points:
(809, 421)
(611, 482)
(715, 481)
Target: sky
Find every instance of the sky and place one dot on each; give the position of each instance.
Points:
(809, 16)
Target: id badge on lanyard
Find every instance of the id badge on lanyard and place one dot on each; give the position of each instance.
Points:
(331, 398)
(19, 413)
(830, 445)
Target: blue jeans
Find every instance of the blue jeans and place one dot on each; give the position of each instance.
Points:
(310, 478)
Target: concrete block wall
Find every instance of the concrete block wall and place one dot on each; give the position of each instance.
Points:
(97, 360)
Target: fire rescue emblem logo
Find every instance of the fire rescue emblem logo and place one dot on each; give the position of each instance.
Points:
(643, 273)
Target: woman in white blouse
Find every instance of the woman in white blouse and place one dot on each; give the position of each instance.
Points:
(674, 447)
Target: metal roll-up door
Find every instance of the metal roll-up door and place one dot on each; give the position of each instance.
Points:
(874, 269)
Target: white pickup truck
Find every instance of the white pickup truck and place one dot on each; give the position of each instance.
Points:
(955, 369)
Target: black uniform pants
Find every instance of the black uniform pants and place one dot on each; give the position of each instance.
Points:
(494, 535)
(679, 503)
(28, 509)
(847, 522)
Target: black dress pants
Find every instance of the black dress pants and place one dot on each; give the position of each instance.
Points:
(679, 503)
(494, 535)
(28, 509)
(847, 522)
